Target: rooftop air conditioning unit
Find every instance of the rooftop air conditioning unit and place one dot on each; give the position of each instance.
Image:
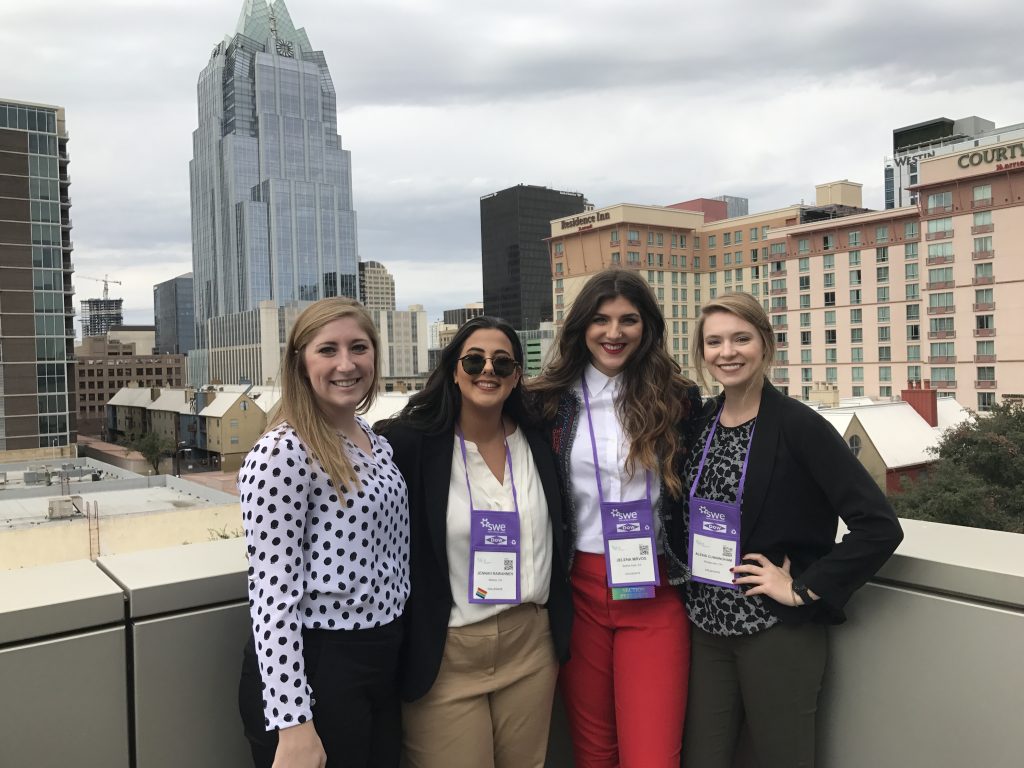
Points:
(63, 507)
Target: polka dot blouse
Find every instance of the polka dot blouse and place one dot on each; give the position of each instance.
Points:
(315, 561)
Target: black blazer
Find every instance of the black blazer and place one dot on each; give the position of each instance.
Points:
(801, 478)
(426, 462)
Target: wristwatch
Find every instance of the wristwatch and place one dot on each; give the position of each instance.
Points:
(800, 589)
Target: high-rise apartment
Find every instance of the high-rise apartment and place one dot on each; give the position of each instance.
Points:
(37, 368)
(376, 286)
(514, 227)
(272, 218)
(174, 315)
(100, 315)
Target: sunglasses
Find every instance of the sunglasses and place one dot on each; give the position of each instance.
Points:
(474, 363)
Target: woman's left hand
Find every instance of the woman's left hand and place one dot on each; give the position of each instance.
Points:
(766, 578)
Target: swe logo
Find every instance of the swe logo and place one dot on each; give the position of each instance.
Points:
(492, 527)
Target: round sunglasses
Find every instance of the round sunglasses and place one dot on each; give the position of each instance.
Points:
(474, 363)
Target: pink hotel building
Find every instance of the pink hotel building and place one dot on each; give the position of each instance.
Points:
(863, 300)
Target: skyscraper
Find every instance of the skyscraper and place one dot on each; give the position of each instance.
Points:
(516, 266)
(100, 315)
(174, 315)
(272, 217)
(376, 286)
(37, 334)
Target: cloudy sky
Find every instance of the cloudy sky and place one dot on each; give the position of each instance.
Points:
(443, 101)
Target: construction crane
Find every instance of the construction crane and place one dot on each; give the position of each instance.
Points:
(105, 279)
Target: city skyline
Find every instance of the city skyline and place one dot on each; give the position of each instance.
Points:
(654, 108)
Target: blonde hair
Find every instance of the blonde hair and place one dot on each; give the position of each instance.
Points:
(299, 405)
(745, 307)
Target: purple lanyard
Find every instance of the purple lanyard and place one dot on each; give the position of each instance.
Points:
(704, 456)
(593, 447)
(511, 476)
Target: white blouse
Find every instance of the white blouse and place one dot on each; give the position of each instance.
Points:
(536, 545)
(612, 450)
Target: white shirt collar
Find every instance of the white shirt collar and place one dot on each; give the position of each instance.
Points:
(597, 382)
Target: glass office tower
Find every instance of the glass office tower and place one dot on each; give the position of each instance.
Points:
(272, 218)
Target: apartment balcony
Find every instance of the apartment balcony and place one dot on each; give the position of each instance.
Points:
(984, 358)
(987, 306)
(941, 359)
(780, 326)
(987, 280)
(781, 344)
(985, 202)
(777, 273)
(778, 292)
(979, 255)
(944, 259)
(985, 384)
(943, 235)
(982, 229)
(941, 335)
(950, 384)
(133, 660)
(935, 210)
(984, 332)
(941, 310)
(938, 285)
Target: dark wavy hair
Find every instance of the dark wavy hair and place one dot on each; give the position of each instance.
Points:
(435, 408)
(653, 399)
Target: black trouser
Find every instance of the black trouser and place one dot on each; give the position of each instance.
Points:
(770, 680)
(354, 677)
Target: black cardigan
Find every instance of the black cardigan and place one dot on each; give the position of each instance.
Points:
(801, 478)
(426, 462)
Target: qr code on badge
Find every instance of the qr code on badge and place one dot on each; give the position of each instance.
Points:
(727, 551)
(645, 550)
(510, 564)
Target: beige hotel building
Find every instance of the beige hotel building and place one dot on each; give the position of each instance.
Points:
(863, 300)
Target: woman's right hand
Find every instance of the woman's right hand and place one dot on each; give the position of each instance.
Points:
(299, 747)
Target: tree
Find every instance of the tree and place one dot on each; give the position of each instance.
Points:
(153, 447)
(977, 479)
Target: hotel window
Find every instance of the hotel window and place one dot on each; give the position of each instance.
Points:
(805, 356)
(739, 257)
(650, 238)
(830, 279)
(828, 242)
(633, 257)
(855, 277)
(913, 291)
(986, 401)
(983, 296)
(883, 314)
(913, 352)
(650, 259)
(884, 354)
(831, 375)
(803, 264)
(983, 193)
(696, 262)
(882, 255)
(805, 319)
(983, 270)
(983, 244)
(726, 259)
(940, 325)
(831, 356)
(882, 234)
(712, 262)
(713, 278)
(633, 235)
(738, 273)
(856, 316)
(856, 354)
(675, 241)
(910, 251)
(558, 267)
(828, 261)
(910, 271)
(806, 374)
(753, 255)
(830, 335)
(983, 218)
(753, 234)
(982, 348)
(853, 239)
(764, 232)
(856, 335)
(940, 275)
(682, 241)
(913, 311)
(984, 322)
(726, 238)
(882, 293)
(805, 301)
(944, 299)
(941, 349)
(914, 332)
(614, 236)
(805, 282)
(884, 333)
(854, 258)
(857, 373)
(712, 241)
(737, 236)
(803, 245)
(855, 296)
(986, 373)
(910, 230)
(941, 227)
(805, 338)
(616, 258)
(913, 373)
(696, 241)
(830, 298)
(728, 275)
(944, 375)
(830, 317)
(660, 239)
(885, 373)
(940, 201)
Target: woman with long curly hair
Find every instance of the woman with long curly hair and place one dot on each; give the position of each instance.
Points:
(490, 613)
(618, 409)
(326, 519)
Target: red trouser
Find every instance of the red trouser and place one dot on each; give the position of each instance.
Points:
(624, 686)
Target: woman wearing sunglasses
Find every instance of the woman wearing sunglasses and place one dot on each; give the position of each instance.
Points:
(617, 405)
(490, 610)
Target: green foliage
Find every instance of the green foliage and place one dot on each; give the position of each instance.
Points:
(977, 479)
(153, 447)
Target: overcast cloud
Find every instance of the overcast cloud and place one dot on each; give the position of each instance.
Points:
(441, 102)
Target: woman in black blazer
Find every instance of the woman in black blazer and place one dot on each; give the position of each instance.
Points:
(489, 615)
(769, 480)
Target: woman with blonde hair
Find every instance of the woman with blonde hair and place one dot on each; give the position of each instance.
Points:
(326, 521)
(769, 480)
(617, 409)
